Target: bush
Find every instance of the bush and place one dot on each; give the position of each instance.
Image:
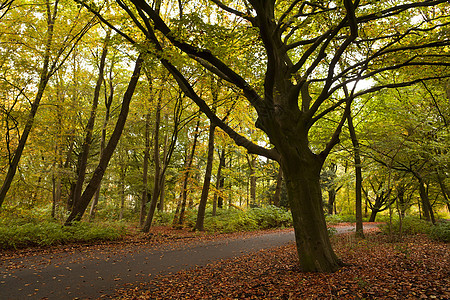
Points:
(162, 218)
(47, 232)
(410, 225)
(441, 231)
(232, 220)
(271, 217)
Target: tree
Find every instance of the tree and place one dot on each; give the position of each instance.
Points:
(51, 61)
(300, 44)
(99, 171)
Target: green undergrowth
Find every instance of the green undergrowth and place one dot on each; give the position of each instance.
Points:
(412, 225)
(28, 232)
(234, 220)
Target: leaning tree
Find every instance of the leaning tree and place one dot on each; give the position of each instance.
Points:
(297, 52)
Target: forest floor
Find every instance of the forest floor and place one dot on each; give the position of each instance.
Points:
(376, 268)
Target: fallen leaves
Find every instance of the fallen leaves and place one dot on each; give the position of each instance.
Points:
(416, 268)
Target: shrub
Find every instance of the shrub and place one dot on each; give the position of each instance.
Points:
(232, 220)
(162, 218)
(48, 232)
(410, 225)
(441, 231)
(271, 217)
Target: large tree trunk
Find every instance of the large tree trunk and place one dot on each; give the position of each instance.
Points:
(93, 184)
(302, 175)
(206, 181)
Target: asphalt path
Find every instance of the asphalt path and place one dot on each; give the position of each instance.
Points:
(92, 273)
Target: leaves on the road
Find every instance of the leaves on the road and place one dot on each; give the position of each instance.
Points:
(416, 268)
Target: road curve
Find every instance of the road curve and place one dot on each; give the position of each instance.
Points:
(89, 274)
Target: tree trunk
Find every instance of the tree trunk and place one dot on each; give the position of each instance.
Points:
(91, 188)
(218, 200)
(108, 103)
(331, 200)
(82, 162)
(373, 215)
(157, 173)
(277, 195)
(206, 181)
(426, 205)
(45, 74)
(251, 159)
(163, 175)
(302, 177)
(145, 171)
(188, 166)
(358, 180)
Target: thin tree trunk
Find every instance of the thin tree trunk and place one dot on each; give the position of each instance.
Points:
(92, 186)
(144, 198)
(206, 181)
(122, 190)
(219, 183)
(108, 103)
(277, 196)
(252, 165)
(90, 126)
(426, 205)
(157, 172)
(163, 175)
(190, 159)
(358, 180)
(44, 78)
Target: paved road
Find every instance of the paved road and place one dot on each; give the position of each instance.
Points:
(89, 274)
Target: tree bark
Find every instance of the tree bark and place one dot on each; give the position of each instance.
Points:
(277, 195)
(108, 103)
(304, 193)
(426, 205)
(92, 186)
(189, 161)
(144, 198)
(358, 179)
(206, 181)
(218, 200)
(251, 159)
(157, 172)
(82, 162)
(162, 193)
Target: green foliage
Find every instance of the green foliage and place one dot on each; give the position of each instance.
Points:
(49, 232)
(231, 220)
(270, 217)
(334, 219)
(410, 225)
(414, 225)
(441, 231)
(162, 218)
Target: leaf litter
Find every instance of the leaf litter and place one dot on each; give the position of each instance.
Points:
(376, 268)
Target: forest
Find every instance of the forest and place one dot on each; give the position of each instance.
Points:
(218, 115)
